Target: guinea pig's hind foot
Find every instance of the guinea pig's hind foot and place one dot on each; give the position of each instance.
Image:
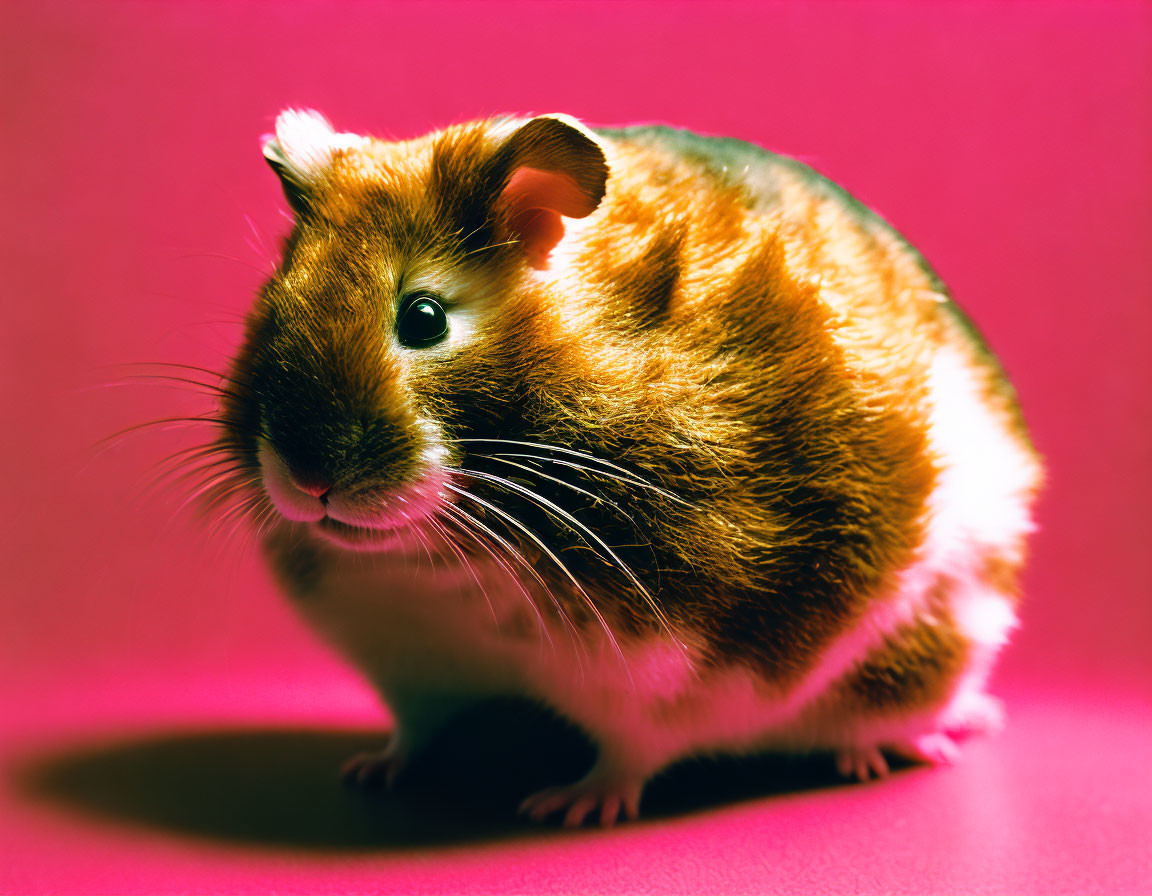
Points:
(865, 762)
(861, 763)
(933, 748)
(370, 769)
(974, 714)
(608, 790)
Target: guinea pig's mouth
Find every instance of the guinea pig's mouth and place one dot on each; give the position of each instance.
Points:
(360, 538)
(359, 520)
(390, 522)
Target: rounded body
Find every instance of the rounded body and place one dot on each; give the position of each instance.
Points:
(705, 458)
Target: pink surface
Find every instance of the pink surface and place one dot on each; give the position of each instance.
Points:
(1010, 143)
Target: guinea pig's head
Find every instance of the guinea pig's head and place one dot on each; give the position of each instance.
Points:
(408, 306)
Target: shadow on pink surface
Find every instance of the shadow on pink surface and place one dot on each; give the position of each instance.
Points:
(226, 786)
(278, 786)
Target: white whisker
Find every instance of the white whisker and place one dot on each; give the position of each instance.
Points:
(599, 499)
(586, 533)
(556, 560)
(628, 475)
(462, 519)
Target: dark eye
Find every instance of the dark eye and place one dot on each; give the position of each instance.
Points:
(422, 322)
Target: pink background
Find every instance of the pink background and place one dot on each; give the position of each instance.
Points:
(1011, 143)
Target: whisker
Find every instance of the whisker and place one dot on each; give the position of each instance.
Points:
(263, 252)
(464, 493)
(461, 520)
(215, 489)
(419, 535)
(178, 366)
(574, 636)
(189, 481)
(236, 516)
(194, 454)
(599, 499)
(216, 485)
(471, 570)
(490, 247)
(163, 422)
(585, 533)
(264, 522)
(181, 464)
(603, 473)
(221, 255)
(160, 379)
(186, 455)
(471, 233)
(628, 475)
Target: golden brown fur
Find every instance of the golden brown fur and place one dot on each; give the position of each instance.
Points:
(745, 340)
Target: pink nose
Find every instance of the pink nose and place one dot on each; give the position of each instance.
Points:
(311, 485)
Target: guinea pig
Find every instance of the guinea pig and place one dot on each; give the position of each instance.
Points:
(665, 432)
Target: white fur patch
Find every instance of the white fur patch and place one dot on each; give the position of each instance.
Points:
(986, 476)
(984, 616)
(305, 142)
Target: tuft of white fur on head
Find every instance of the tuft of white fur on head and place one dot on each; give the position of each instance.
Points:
(304, 143)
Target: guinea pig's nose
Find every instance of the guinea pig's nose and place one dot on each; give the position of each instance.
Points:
(311, 484)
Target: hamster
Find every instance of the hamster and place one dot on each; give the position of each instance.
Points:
(665, 432)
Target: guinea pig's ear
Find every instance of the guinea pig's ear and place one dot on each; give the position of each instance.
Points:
(301, 149)
(551, 168)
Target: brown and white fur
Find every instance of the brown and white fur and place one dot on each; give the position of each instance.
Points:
(705, 460)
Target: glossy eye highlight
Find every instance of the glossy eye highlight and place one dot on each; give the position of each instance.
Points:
(422, 322)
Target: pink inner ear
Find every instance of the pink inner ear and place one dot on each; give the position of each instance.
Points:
(536, 200)
(534, 188)
(539, 230)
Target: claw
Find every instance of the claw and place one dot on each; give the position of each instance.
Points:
(611, 794)
(865, 763)
(862, 763)
(370, 769)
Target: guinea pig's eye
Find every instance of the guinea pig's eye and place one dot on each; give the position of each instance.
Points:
(422, 322)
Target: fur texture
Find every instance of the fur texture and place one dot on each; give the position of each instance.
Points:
(706, 460)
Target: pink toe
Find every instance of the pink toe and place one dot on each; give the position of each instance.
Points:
(599, 796)
(579, 811)
(370, 769)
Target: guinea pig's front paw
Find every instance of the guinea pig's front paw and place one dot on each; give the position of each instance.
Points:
(610, 792)
(370, 769)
